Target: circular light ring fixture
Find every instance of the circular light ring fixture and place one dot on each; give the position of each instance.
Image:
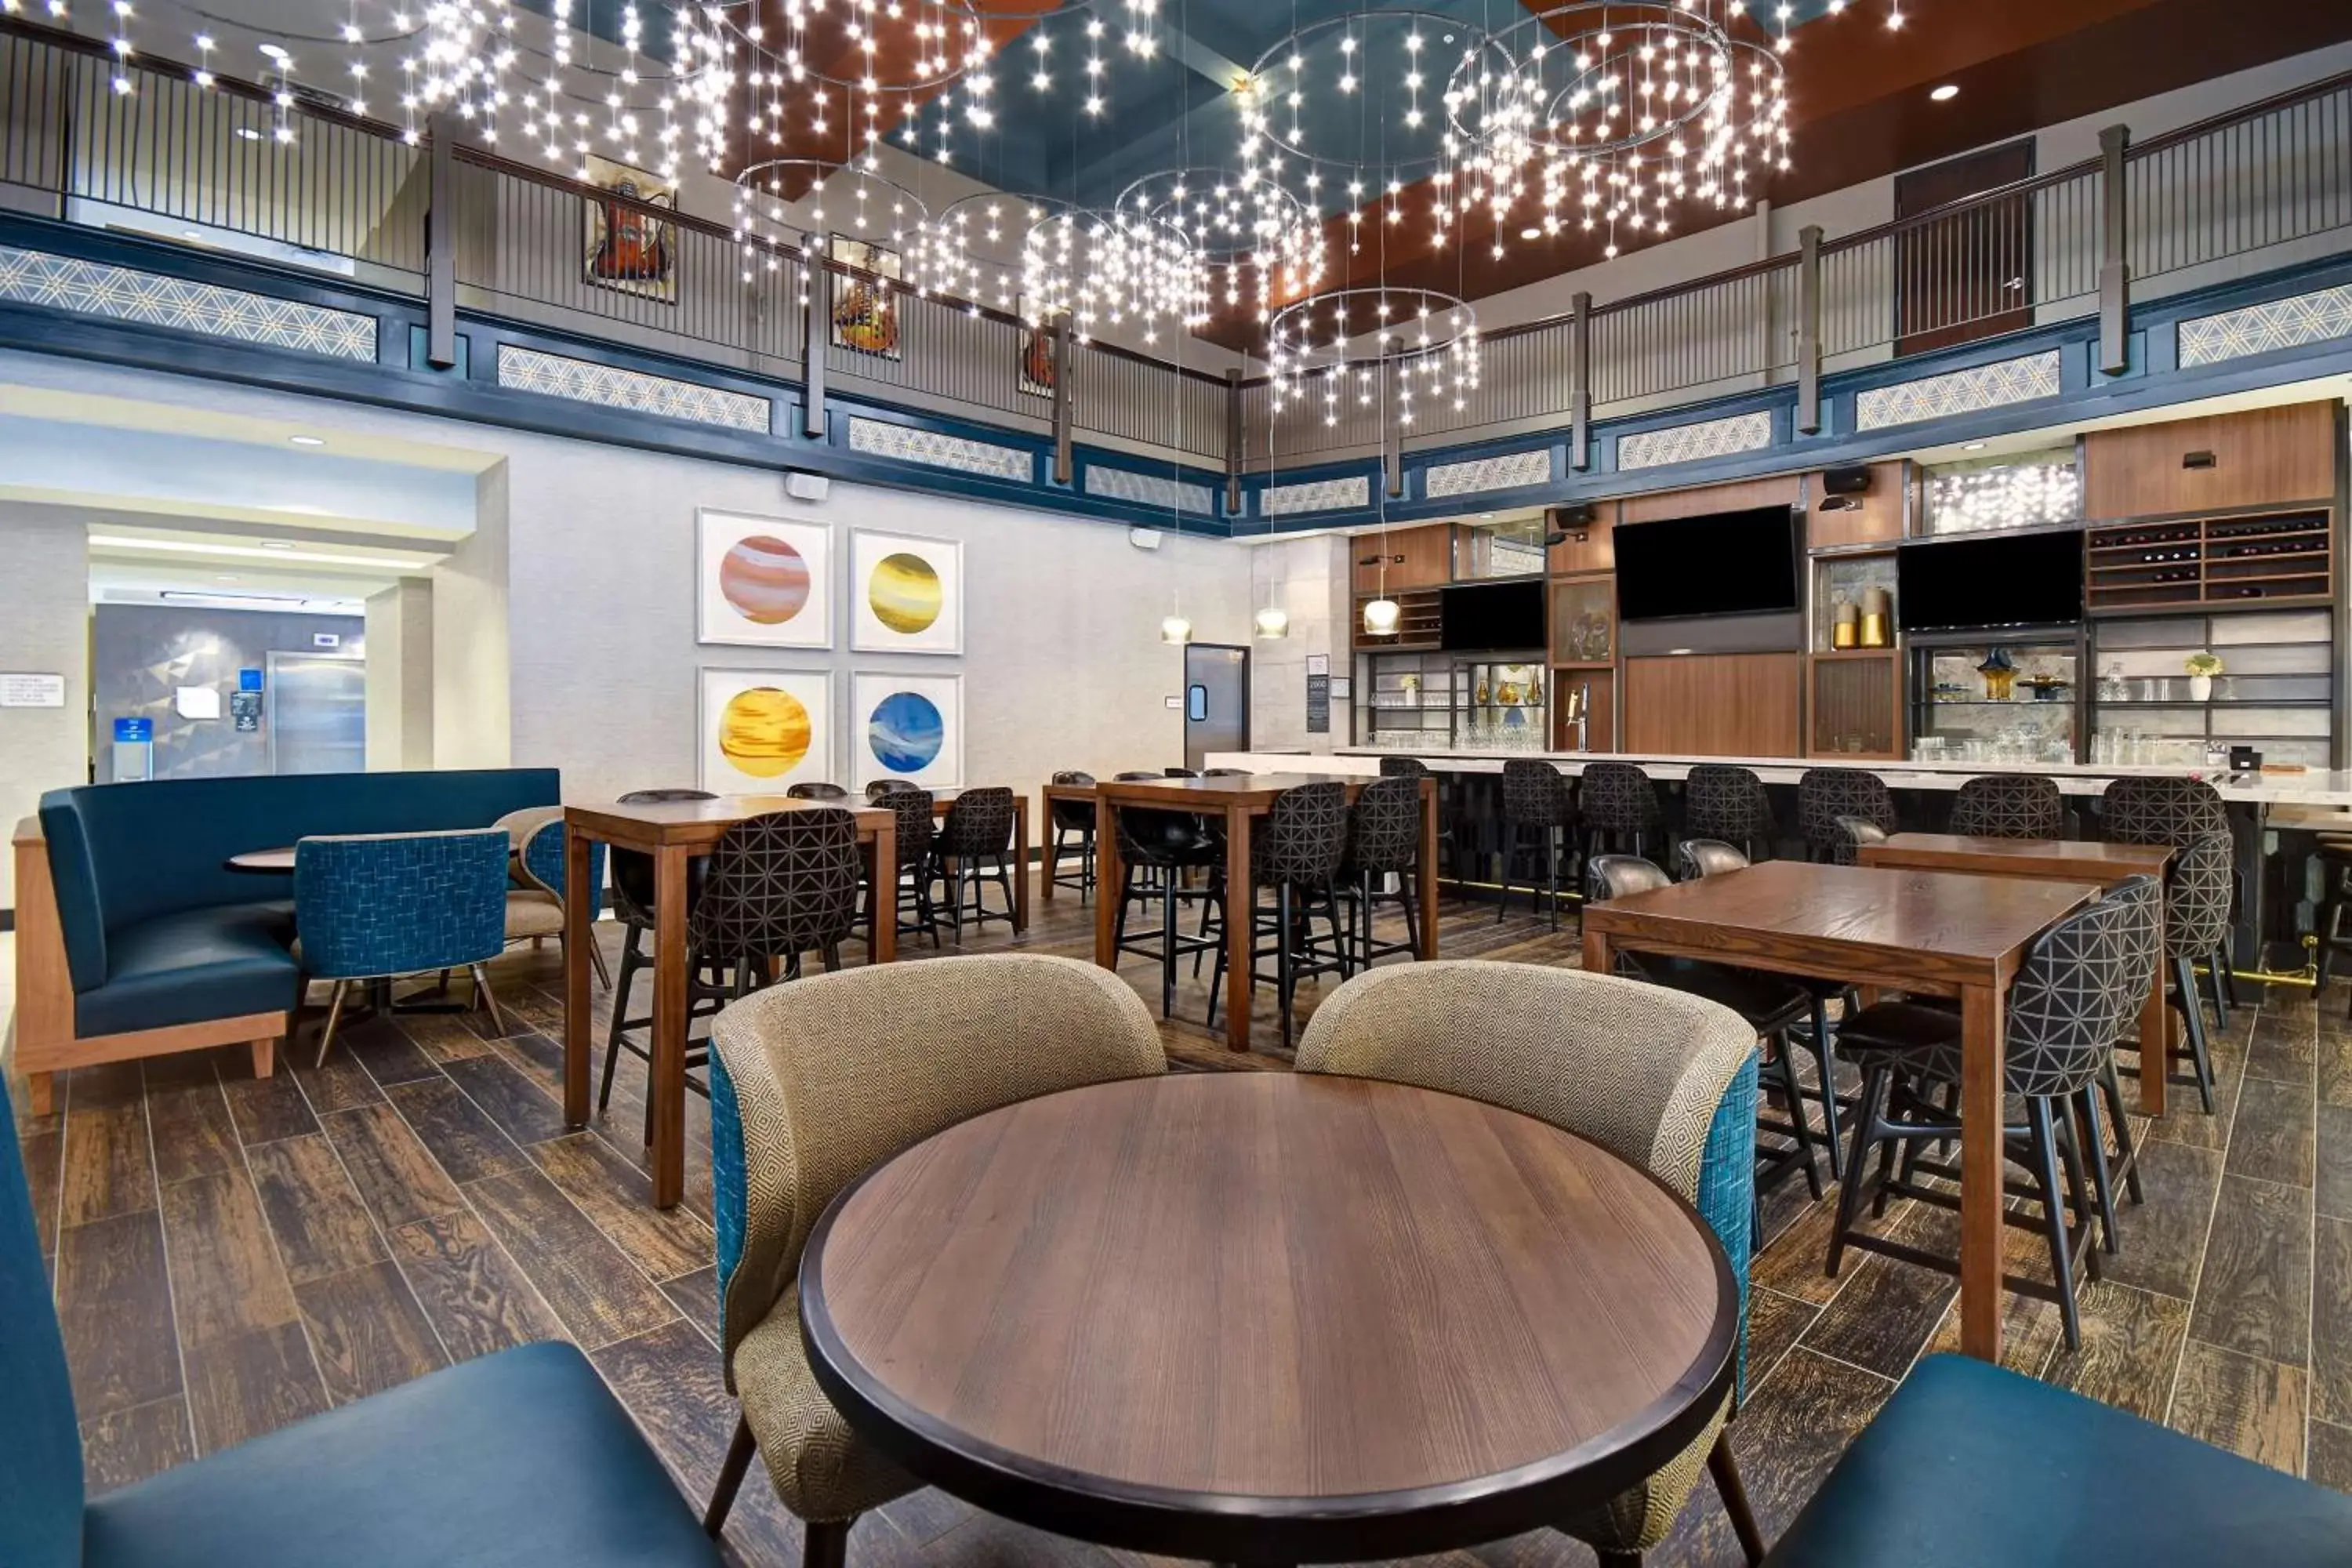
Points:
(1400, 55)
(1041, 257)
(1368, 346)
(853, 200)
(1255, 241)
(931, 44)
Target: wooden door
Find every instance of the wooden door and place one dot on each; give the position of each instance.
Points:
(1967, 275)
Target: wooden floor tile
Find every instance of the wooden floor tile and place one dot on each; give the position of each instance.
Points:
(226, 1279)
(132, 1445)
(2186, 1122)
(521, 1109)
(442, 1037)
(250, 1383)
(2283, 1046)
(2164, 1238)
(2332, 1154)
(383, 1047)
(190, 1122)
(367, 1330)
(109, 1169)
(2331, 1321)
(2132, 1342)
(266, 1109)
(115, 1307)
(2334, 1053)
(2253, 1408)
(2255, 1297)
(476, 1296)
(319, 1224)
(697, 1296)
(43, 1154)
(618, 1198)
(2272, 1139)
(2329, 1460)
(340, 1085)
(1774, 1323)
(460, 1134)
(396, 1176)
(598, 1293)
(1889, 1309)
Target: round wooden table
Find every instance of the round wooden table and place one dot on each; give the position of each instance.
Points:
(280, 860)
(1269, 1317)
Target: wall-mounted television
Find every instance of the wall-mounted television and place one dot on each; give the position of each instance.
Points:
(1718, 564)
(1973, 585)
(1492, 616)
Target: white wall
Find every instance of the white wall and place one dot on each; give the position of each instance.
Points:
(1310, 578)
(44, 629)
(400, 676)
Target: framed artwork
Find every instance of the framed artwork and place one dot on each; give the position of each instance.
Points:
(1036, 352)
(866, 310)
(625, 249)
(906, 594)
(907, 726)
(762, 729)
(762, 580)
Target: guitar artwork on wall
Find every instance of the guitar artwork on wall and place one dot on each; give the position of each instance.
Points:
(626, 247)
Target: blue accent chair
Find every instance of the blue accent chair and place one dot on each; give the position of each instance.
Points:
(382, 905)
(522, 1459)
(1970, 1466)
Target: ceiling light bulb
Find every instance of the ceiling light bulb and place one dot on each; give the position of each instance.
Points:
(1274, 620)
(1380, 617)
(1175, 629)
(308, 441)
(1946, 93)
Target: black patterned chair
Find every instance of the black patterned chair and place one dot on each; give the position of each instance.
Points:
(881, 787)
(1415, 769)
(2009, 805)
(1824, 795)
(1295, 853)
(1619, 807)
(974, 847)
(633, 905)
(817, 789)
(917, 824)
(1157, 850)
(2079, 985)
(1773, 1005)
(1225, 772)
(1537, 803)
(1696, 857)
(1725, 802)
(1179, 773)
(1383, 841)
(1073, 822)
(2176, 811)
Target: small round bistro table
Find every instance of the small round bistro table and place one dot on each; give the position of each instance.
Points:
(1269, 1317)
(280, 860)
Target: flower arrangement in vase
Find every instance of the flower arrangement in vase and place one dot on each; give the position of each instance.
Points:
(2202, 666)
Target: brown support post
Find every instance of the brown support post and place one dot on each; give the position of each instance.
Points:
(814, 334)
(2114, 269)
(1580, 382)
(1809, 329)
(1393, 448)
(441, 248)
(1232, 443)
(1064, 370)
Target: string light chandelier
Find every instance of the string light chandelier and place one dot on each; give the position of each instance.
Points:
(1361, 346)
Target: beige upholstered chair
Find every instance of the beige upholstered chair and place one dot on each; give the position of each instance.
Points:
(534, 904)
(1662, 1079)
(815, 1083)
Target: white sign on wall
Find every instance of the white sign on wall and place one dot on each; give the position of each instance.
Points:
(29, 690)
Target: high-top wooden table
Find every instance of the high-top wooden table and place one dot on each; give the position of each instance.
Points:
(1049, 794)
(1237, 800)
(2058, 860)
(942, 799)
(1940, 932)
(674, 832)
(1268, 1318)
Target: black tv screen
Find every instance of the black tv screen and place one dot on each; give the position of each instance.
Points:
(1965, 585)
(1721, 563)
(1491, 615)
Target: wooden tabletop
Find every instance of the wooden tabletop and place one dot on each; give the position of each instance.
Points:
(1269, 1317)
(699, 822)
(1255, 790)
(2091, 859)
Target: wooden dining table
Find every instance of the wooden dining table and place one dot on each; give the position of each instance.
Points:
(674, 832)
(1237, 800)
(2058, 860)
(1269, 1318)
(1942, 933)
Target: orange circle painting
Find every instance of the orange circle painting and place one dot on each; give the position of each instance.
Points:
(764, 732)
(765, 579)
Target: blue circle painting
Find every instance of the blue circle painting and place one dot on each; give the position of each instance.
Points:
(906, 732)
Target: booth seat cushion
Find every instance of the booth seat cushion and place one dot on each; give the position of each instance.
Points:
(516, 1459)
(218, 963)
(1971, 1465)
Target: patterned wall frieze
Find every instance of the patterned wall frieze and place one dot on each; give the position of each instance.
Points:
(1151, 490)
(125, 294)
(2291, 323)
(1968, 390)
(930, 448)
(1724, 437)
(608, 386)
(1319, 495)
(1510, 471)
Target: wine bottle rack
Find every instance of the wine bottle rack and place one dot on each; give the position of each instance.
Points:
(2278, 558)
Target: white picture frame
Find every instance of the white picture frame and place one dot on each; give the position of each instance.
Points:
(906, 594)
(762, 581)
(907, 725)
(749, 747)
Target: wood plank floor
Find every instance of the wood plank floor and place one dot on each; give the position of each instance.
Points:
(232, 1255)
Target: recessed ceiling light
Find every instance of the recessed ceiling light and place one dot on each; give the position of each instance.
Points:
(247, 134)
(308, 441)
(1973, 446)
(224, 578)
(1946, 93)
(276, 545)
(275, 51)
(1530, 234)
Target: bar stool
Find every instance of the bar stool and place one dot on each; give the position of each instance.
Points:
(915, 811)
(1619, 806)
(977, 831)
(817, 789)
(1728, 803)
(2009, 805)
(2176, 811)
(1824, 795)
(1298, 853)
(1415, 769)
(2335, 853)
(634, 906)
(1158, 847)
(881, 787)
(1073, 819)
(1383, 841)
(1536, 800)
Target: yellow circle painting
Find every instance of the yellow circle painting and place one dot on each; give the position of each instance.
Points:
(904, 592)
(764, 731)
(765, 579)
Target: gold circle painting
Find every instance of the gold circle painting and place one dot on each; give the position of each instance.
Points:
(765, 579)
(764, 732)
(904, 592)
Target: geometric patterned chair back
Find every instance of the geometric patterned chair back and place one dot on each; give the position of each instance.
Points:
(1179, 774)
(816, 790)
(1403, 768)
(1824, 795)
(2197, 890)
(1850, 834)
(1534, 793)
(1077, 815)
(542, 862)
(2009, 805)
(1384, 826)
(369, 904)
(2160, 810)
(881, 787)
(980, 821)
(918, 823)
(1608, 877)
(1617, 797)
(633, 869)
(783, 882)
(1721, 801)
(2080, 982)
(1696, 857)
(1305, 836)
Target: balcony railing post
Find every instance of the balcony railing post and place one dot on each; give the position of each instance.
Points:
(441, 246)
(1580, 382)
(1232, 443)
(1809, 329)
(816, 331)
(2114, 269)
(1066, 369)
(1393, 444)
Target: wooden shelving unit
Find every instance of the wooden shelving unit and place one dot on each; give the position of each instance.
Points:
(2277, 558)
(1855, 701)
(1419, 628)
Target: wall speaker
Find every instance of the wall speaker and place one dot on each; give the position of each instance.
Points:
(1851, 481)
(807, 487)
(1563, 523)
(1143, 538)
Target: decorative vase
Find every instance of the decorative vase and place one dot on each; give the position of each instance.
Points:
(1873, 631)
(1878, 611)
(1844, 621)
(2200, 688)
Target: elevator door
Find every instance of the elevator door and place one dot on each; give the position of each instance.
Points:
(317, 708)
(1216, 700)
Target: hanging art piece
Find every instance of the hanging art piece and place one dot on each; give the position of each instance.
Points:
(906, 594)
(865, 305)
(1036, 352)
(762, 580)
(907, 727)
(763, 729)
(626, 247)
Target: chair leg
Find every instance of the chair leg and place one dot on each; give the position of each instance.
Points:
(2218, 982)
(483, 994)
(596, 961)
(730, 1478)
(1825, 1063)
(2053, 1214)
(1168, 950)
(2102, 1185)
(826, 1544)
(631, 961)
(1868, 1111)
(1725, 1468)
(334, 1014)
(2070, 1156)
(2331, 921)
(2110, 1085)
(1552, 875)
(1510, 848)
(1800, 1125)
(2184, 980)
(1282, 976)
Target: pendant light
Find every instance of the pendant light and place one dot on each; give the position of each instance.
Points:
(1273, 621)
(1173, 627)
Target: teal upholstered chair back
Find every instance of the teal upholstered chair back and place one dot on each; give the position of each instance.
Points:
(398, 903)
(41, 1442)
(542, 862)
(122, 853)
